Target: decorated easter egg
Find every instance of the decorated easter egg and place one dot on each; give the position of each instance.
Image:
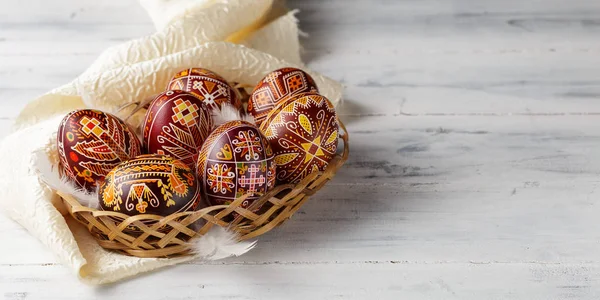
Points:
(91, 143)
(236, 159)
(176, 124)
(150, 184)
(276, 86)
(207, 86)
(303, 133)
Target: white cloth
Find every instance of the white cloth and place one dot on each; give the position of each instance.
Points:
(189, 33)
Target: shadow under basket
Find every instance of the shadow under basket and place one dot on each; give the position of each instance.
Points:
(157, 236)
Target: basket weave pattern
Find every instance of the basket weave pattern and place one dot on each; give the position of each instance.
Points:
(157, 236)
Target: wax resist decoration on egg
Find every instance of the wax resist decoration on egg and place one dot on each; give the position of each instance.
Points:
(150, 184)
(303, 132)
(177, 123)
(90, 143)
(276, 86)
(236, 159)
(208, 86)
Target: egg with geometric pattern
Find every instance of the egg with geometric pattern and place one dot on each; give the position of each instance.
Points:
(91, 143)
(235, 160)
(207, 85)
(176, 124)
(303, 133)
(276, 86)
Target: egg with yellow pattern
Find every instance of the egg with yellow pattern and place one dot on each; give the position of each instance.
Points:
(150, 184)
(90, 143)
(303, 133)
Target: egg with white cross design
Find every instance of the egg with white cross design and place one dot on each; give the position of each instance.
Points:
(235, 160)
(207, 86)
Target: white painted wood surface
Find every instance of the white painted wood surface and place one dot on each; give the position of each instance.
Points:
(473, 171)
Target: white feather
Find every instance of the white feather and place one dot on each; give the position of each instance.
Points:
(219, 243)
(50, 175)
(248, 118)
(229, 113)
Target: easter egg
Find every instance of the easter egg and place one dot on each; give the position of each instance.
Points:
(276, 86)
(303, 133)
(236, 159)
(207, 86)
(176, 124)
(150, 184)
(91, 143)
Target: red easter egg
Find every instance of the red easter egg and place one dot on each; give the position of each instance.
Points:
(150, 184)
(176, 124)
(276, 86)
(236, 159)
(303, 132)
(208, 86)
(90, 143)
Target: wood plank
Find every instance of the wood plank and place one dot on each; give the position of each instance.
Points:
(464, 84)
(67, 11)
(453, 149)
(439, 58)
(428, 84)
(423, 74)
(425, 84)
(456, 25)
(360, 280)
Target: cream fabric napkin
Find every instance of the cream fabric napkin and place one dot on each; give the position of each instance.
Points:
(240, 39)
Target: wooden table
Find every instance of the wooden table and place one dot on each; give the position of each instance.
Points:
(473, 173)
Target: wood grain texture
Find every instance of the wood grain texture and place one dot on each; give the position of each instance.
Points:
(472, 173)
(357, 280)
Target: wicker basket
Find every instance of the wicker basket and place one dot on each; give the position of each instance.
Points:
(158, 236)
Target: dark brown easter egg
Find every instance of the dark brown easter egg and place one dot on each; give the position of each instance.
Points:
(91, 143)
(176, 124)
(276, 86)
(236, 159)
(150, 184)
(208, 86)
(303, 132)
